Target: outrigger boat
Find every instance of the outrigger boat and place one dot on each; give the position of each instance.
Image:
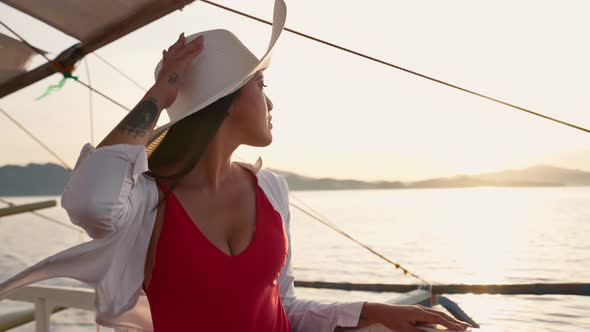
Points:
(95, 24)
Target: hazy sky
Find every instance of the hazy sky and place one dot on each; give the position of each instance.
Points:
(339, 115)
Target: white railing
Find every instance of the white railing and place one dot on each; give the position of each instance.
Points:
(47, 298)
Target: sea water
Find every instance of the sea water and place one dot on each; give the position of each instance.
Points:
(472, 236)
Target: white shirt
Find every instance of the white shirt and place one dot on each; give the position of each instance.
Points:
(112, 200)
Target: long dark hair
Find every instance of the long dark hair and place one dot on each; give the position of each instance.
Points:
(187, 140)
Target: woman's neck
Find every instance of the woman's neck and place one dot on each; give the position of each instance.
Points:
(214, 170)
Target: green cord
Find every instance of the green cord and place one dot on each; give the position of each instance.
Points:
(58, 85)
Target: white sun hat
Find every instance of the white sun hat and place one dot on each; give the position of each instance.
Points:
(224, 65)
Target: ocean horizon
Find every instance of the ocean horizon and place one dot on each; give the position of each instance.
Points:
(472, 235)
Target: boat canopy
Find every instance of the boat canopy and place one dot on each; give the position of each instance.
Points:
(93, 23)
(79, 19)
(14, 57)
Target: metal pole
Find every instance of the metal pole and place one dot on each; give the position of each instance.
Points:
(16, 209)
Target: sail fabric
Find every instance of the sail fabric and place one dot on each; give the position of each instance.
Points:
(93, 23)
(79, 19)
(14, 57)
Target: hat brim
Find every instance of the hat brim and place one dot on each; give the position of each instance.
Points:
(279, 17)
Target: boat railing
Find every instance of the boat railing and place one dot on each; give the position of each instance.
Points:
(51, 299)
(46, 300)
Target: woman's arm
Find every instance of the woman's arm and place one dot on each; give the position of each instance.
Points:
(102, 192)
(308, 315)
(138, 125)
(313, 316)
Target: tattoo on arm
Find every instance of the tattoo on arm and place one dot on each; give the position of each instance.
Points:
(173, 78)
(139, 120)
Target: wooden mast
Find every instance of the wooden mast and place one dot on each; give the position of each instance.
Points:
(69, 57)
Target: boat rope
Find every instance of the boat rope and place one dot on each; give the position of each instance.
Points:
(334, 227)
(56, 156)
(59, 68)
(337, 229)
(318, 217)
(362, 55)
(31, 135)
(119, 71)
(105, 96)
(325, 222)
(53, 220)
(90, 104)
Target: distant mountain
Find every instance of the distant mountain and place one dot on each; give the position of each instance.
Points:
(50, 179)
(536, 176)
(33, 180)
(542, 173)
(300, 182)
(539, 175)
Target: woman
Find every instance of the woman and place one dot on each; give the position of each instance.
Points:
(206, 240)
(206, 186)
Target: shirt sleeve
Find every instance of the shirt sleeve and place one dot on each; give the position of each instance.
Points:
(97, 196)
(308, 315)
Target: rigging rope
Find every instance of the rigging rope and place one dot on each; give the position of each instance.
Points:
(324, 221)
(31, 135)
(57, 67)
(397, 265)
(308, 37)
(90, 104)
(335, 228)
(119, 71)
(401, 68)
(66, 72)
(38, 214)
(105, 96)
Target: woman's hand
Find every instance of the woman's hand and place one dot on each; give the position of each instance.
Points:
(138, 125)
(176, 60)
(404, 318)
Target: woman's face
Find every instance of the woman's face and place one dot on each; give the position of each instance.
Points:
(248, 121)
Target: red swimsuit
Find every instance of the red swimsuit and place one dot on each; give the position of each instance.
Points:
(197, 287)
